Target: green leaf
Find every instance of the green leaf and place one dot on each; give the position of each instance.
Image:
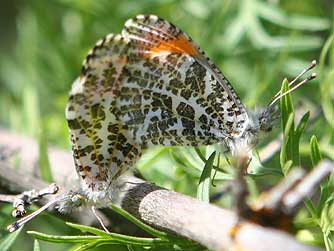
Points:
(308, 23)
(6, 244)
(43, 160)
(200, 154)
(297, 134)
(286, 145)
(88, 229)
(315, 151)
(150, 157)
(310, 237)
(275, 15)
(112, 238)
(184, 163)
(326, 224)
(36, 246)
(257, 169)
(326, 79)
(205, 180)
(63, 239)
(142, 225)
(87, 246)
(119, 238)
(287, 166)
(301, 126)
(326, 194)
(290, 147)
(286, 104)
(310, 207)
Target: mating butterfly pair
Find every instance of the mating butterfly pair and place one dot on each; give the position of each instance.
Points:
(151, 85)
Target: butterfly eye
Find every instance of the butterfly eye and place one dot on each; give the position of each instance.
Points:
(266, 121)
(263, 123)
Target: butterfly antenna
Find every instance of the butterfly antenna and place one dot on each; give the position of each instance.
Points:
(16, 225)
(308, 68)
(280, 95)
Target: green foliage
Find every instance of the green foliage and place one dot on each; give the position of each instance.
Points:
(137, 222)
(254, 42)
(43, 161)
(205, 180)
(36, 246)
(321, 214)
(96, 237)
(327, 78)
(291, 136)
(315, 151)
(247, 23)
(7, 243)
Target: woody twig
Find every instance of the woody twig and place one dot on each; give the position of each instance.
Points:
(199, 221)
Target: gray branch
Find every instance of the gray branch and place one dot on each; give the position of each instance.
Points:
(204, 223)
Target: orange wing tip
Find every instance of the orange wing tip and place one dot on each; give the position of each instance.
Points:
(180, 45)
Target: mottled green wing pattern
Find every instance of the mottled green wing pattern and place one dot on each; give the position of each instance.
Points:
(102, 147)
(149, 86)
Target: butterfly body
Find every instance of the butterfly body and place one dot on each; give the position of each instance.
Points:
(150, 86)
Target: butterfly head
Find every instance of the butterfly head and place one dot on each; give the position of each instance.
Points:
(266, 118)
(261, 121)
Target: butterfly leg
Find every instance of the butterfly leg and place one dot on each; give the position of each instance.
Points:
(22, 201)
(100, 220)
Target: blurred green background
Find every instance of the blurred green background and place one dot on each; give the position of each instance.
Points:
(255, 43)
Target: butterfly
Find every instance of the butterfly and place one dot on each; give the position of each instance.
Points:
(152, 85)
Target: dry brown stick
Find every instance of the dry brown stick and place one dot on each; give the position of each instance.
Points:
(202, 222)
(207, 224)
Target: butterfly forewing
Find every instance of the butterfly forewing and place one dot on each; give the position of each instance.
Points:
(149, 86)
(165, 47)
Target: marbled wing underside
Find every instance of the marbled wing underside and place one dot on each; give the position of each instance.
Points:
(149, 86)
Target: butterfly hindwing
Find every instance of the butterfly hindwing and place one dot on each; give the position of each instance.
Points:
(101, 146)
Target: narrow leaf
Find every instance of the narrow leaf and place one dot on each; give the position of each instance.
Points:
(88, 229)
(297, 134)
(139, 223)
(326, 194)
(63, 239)
(315, 151)
(284, 154)
(205, 180)
(43, 161)
(308, 23)
(287, 166)
(6, 244)
(286, 111)
(36, 246)
(326, 79)
(88, 246)
(200, 154)
(301, 126)
(286, 103)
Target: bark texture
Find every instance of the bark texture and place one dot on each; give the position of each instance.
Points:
(205, 223)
